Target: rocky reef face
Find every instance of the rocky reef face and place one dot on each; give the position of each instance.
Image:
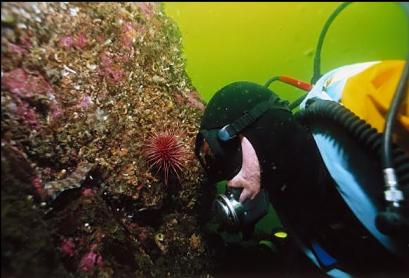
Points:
(98, 121)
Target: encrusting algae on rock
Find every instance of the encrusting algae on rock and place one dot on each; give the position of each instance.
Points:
(82, 86)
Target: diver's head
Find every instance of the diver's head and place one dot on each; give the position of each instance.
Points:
(234, 110)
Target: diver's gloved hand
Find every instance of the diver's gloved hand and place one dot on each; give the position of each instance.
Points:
(249, 176)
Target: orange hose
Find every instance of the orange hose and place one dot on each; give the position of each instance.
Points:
(297, 83)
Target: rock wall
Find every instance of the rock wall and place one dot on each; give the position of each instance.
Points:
(98, 121)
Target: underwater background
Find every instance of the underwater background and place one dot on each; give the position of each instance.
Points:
(227, 42)
(92, 92)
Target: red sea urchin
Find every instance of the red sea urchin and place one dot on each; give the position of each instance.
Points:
(165, 153)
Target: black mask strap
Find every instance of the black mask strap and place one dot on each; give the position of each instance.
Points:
(230, 131)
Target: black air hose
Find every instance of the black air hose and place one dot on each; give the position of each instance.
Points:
(392, 221)
(360, 130)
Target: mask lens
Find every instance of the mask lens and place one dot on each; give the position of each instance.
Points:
(205, 156)
(221, 160)
(207, 159)
(214, 168)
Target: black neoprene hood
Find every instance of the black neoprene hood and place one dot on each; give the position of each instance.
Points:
(230, 102)
(227, 105)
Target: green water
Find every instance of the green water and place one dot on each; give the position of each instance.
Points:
(226, 42)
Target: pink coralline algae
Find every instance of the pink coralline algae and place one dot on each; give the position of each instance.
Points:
(15, 49)
(88, 192)
(66, 42)
(113, 73)
(25, 40)
(85, 102)
(78, 41)
(39, 188)
(55, 110)
(67, 247)
(127, 27)
(90, 260)
(24, 85)
(39, 85)
(194, 101)
(147, 8)
(28, 115)
(16, 81)
(128, 35)
(100, 38)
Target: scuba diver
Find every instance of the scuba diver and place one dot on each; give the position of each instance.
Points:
(330, 170)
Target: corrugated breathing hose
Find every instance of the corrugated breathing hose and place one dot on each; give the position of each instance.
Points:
(367, 136)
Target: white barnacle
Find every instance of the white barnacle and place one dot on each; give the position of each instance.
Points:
(107, 42)
(21, 26)
(35, 8)
(74, 11)
(91, 67)
(69, 69)
(101, 115)
(57, 58)
(23, 13)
